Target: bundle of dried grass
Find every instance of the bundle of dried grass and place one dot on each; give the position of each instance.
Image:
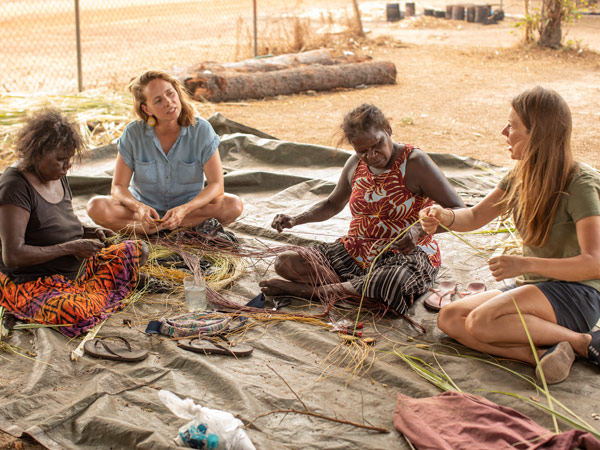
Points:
(101, 116)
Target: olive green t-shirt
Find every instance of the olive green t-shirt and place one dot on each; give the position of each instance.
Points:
(581, 200)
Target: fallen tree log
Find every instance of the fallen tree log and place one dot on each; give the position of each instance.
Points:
(322, 56)
(216, 87)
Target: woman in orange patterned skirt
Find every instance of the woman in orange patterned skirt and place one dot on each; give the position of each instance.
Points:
(53, 270)
(386, 185)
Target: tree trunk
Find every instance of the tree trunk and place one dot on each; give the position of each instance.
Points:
(528, 33)
(323, 56)
(226, 87)
(359, 26)
(551, 19)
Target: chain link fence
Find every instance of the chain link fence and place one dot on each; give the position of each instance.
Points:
(119, 39)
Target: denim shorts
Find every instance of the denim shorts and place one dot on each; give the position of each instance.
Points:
(576, 305)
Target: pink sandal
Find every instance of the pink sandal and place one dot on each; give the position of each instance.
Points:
(473, 288)
(441, 296)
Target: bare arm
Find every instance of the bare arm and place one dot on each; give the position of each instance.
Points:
(585, 266)
(15, 253)
(424, 177)
(120, 191)
(324, 209)
(465, 219)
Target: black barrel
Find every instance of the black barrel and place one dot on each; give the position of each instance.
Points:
(458, 12)
(482, 12)
(393, 12)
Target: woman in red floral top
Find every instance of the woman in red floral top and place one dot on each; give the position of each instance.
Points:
(386, 185)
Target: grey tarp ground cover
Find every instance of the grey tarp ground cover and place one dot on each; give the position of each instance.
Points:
(91, 404)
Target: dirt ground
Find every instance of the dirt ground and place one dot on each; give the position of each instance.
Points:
(455, 81)
(454, 84)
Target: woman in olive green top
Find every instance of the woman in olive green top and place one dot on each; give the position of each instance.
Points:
(555, 204)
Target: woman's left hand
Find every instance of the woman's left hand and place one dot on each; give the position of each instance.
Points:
(103, 234)
(174, 217)
(506, 266)
(408, 242)
(97, 233)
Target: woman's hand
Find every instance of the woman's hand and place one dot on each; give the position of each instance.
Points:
(174, 217)
(408, 242)
(506, 266)
(146, 213)
(282, 221)
(83, 248)
(102, 234)
(431, 218)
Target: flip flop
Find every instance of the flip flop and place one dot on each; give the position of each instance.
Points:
(117, 351)
(209, 346)
(473, 288)
(441, 296)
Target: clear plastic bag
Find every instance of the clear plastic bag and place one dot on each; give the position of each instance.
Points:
(207, 428)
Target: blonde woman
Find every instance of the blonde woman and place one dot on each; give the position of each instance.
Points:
(556, 208)
(163, 161)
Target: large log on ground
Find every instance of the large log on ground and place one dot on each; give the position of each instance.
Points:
(322, 56)
(226, 87)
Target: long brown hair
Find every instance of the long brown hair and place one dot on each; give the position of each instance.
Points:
(541, 176)
(186, 117)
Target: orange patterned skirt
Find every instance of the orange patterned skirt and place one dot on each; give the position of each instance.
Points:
(77, 305)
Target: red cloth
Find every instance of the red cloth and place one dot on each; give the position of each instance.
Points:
(454, 420)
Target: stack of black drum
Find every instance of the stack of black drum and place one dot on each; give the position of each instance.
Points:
(478, 13)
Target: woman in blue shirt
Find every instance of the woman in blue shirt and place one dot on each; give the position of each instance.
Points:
(163, 159)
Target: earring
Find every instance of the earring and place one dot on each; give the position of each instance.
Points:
(151, 121)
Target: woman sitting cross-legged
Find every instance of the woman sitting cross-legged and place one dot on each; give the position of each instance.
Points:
(162, 163)
(53, 270)
(386, 184)
(556, 208)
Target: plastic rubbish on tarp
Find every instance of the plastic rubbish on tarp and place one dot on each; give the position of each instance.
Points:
(207, 428)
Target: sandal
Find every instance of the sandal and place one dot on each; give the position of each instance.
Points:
(210, 346)
(441, 296)
(116, 351)
(473, 288)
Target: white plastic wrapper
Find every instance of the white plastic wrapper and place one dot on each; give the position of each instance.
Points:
(229, 430)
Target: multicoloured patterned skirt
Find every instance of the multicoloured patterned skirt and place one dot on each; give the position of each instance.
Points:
(110, 277)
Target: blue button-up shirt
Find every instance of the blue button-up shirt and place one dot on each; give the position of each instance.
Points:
(164, 181)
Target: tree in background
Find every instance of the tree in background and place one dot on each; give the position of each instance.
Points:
(549, 21)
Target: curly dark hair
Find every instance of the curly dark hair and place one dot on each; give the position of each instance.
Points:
(44, 131)
(362, 118)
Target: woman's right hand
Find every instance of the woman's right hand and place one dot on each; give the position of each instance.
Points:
(147, 214)
(83, 248)
(431, 217)
(282, 221)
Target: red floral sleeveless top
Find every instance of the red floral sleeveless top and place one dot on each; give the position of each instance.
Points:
(381, 207)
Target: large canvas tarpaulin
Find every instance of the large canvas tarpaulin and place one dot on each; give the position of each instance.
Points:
(92, 403)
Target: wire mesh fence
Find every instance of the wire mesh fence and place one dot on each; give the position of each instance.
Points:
(121, 38)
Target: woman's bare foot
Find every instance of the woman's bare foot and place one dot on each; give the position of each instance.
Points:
(279, 286)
